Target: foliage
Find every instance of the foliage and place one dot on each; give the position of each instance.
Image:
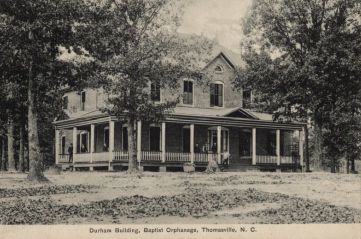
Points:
(31, 34)
(135, 45)
(304, 59)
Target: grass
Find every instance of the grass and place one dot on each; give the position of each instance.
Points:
(117, 197)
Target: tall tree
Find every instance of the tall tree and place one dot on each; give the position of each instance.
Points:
(138, 51)
(291, 58)
(31, 33)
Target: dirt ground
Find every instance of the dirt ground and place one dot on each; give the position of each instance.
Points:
(150, 197)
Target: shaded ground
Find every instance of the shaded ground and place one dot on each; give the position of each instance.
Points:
(102, 197)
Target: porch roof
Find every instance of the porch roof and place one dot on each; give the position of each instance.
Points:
(187, 115)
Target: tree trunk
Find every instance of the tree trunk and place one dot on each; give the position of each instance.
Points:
(318, 152)
(307, 151)
(11, 152)
(333, 165)
(21, 166)
(1, 152)
(36, 162)
(3, 155)
(132, 146)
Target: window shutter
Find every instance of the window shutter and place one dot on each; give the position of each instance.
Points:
(220, 95)
(212, 94)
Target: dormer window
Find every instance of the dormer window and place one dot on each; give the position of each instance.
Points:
(65, 102)
(82, 100)
(216, 94)
(218, 69)
(188, 92)
(155, 92)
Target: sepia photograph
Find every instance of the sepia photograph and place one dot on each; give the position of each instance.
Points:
(181, 119)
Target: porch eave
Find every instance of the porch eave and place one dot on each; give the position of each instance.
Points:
(187, 119)
(232, 121)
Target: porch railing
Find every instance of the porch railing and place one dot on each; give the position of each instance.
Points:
(121, 156)
(151, 156)
(272, 159)
(177, 157)
(201, 157)
(82, 158)
(266, 159)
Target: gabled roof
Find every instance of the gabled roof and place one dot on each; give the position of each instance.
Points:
(236, 112)
(233, 59)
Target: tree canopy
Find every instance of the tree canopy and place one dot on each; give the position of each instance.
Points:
(304, 58)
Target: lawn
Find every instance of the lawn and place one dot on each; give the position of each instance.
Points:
(234, 198)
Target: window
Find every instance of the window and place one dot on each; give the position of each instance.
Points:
(216, 91)
(271, 146)
(125, 139)
(247, 99)
(63, 143)
(188, 92)
(82, 100)
(65, 102)
(154, 139)
(106, 139)
(186, 139)
(83, 142)
(218, 69)
(155, 92)
(212, 140)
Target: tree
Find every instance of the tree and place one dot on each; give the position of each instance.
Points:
(31, 33)
(137, 48)
(292, 52)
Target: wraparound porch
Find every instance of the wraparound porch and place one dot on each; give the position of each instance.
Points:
(173, 143)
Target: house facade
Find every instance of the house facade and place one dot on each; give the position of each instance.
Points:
(212, 121)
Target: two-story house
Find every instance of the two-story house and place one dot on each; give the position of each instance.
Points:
(212, 120)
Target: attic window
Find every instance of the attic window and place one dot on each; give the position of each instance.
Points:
(218, 69)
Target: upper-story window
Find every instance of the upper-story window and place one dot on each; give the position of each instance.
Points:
(82, 100)
(247, 99)
(155, 91)
(188, 92)
(218, 69)
(65, 102)
(216, 93)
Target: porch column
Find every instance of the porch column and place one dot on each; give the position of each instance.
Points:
(278, 146)
(139, 140)
(92, 136)
(300, 146)
(57, 146)
(111, 140)
(254, 148)
(192, 142)
(163, 141)
(75, 132)
(219, 135)
(75, 143)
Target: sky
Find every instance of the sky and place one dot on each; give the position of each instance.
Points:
(216, 19)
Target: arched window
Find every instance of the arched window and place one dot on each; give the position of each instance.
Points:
(188, 92)
(155, 91)
(216, 94)
(218, 69)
